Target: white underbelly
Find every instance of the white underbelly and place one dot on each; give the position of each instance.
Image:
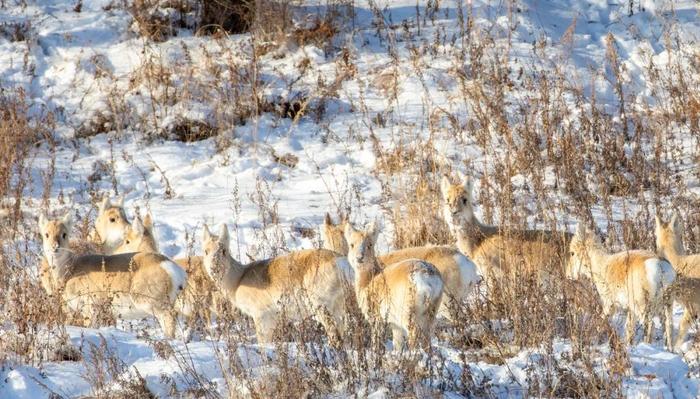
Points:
(121, 306)
(621, 300)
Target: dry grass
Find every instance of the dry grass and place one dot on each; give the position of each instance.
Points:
(550, 160)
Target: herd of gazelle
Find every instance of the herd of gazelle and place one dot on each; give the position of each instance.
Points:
(407, 289)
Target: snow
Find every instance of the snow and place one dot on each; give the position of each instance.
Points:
(75, 64)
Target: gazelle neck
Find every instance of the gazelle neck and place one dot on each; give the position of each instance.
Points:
(673, 251)
(598, 257)
(61, 264)
(233, 274)
(469, 232)
(365, 272)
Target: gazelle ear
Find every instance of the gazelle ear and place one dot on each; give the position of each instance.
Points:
(120, 201)
(43, 219)
(658, 222)
(106, 203)
(67, 220)
(374, 229)
(138, 226)
(675, 222)
(206, 234)
(468, 184)
(327, 220)
(348, 230)
(148, 222)
(344, 219)
(580, 229)
(445, 185)
(223, 234)
(462, 176)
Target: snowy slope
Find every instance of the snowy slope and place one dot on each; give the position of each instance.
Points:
(76, 64)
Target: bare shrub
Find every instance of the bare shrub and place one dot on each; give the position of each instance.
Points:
(410, 175)
(109, 377)
(100, 122)
(15, 31)
(231, 16)
(187, 130)
(19, 133)
(158, 20)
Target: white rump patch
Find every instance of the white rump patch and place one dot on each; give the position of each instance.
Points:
(178, 276)
(660, 274)
(467, 271)
(428, 285)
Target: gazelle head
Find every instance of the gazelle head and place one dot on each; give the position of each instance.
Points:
(361, 244)
(579, 255)
(669, 236)
(111, 223)
(333, 235)
(139, 237)
(217, 257)
(55, 235)
(457, 200)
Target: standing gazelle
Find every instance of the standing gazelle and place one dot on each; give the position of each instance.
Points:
(134, 285)
(501, 251)
(457, 271)
(632, 281)
(293, 286)
(406, 294)
(686, 288)
(201, 298)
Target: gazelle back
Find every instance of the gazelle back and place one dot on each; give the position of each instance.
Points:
(406, 294)
(686, 288)
(297, 285)
(633, 281)
(458, 272)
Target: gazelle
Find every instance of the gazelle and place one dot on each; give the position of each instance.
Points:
(669, 243)
(138, 237)
(686, 288)
(633, 281)
(135, 285)
(297, 285)
(111, 224)
(200, 298)
(497, 251)
(457, 271)
(406, 294)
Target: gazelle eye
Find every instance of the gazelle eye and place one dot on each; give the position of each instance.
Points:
(112, 220)
(46, 235)
(206, 252)
(128, 242)
(464, 201)
(64, 236)
(224, 252)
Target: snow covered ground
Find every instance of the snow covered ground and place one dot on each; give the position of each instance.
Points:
(77, 64)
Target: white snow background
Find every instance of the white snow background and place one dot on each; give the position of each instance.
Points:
(57, 69)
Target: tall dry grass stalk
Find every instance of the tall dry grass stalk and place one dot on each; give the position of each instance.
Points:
(546, 150)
